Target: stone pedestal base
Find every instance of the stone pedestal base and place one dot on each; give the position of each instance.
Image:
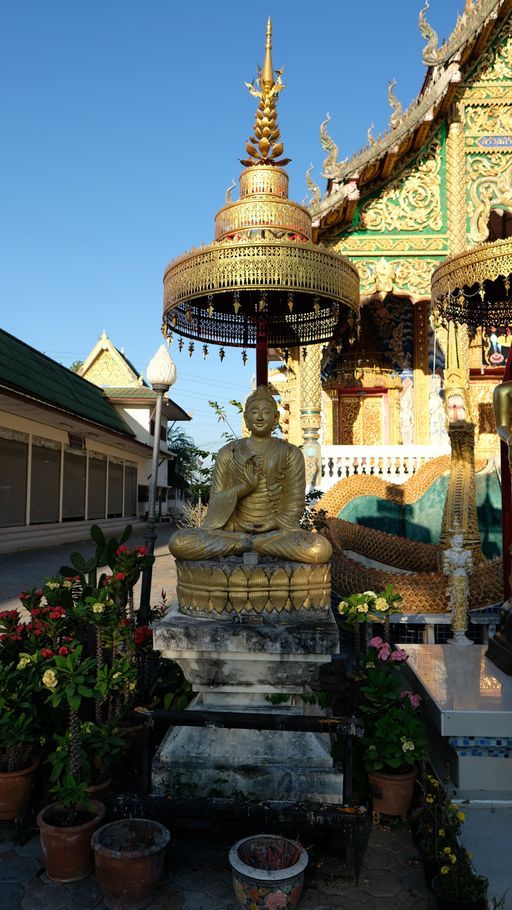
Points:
(233, 665)
(250, 764)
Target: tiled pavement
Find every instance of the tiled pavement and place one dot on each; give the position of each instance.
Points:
(198, 878)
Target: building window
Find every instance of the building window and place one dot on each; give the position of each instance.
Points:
(97, 487)
(13, 482)
(499, 224)
(115, 489)
(73, 488)
(44, 494)
(130, 490)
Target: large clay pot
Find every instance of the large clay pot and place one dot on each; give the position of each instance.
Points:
(392, 793)
(129, 857)
(67, 852)
(15, 787)
(455, 903)
(268, 871)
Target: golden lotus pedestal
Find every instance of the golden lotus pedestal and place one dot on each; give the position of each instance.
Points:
(242, 632)
(209, 587)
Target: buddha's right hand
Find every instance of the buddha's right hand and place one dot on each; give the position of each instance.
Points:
(251, 477)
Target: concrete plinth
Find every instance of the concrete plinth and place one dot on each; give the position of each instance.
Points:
(232, 666)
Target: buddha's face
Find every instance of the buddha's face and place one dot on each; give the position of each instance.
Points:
(260, 417)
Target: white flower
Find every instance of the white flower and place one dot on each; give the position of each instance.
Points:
(24, 662)
(362, 608)
(342, 606)
(381, 604)
(369, 594)
(49, 679)
(52, 585)
(97, 608)
(67, 583)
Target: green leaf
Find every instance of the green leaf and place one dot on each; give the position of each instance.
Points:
(126, 534)
(67, 571)
(98, 536)
(79, 562)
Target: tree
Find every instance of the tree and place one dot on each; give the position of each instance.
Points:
(75, 366)
(187, 470)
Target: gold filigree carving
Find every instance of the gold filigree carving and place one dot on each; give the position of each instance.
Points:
(392, 246)
(408, 276)
(412, 201)
(495, 118)
(490, 185)
(460, 502)
(495, 65)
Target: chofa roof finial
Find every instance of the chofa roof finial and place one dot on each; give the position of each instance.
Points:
(264, 146)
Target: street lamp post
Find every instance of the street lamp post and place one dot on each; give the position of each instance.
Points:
(161, 373)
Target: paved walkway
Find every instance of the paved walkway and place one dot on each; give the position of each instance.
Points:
(29, 568)
(198, 878)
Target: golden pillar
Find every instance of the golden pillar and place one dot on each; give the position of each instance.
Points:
(456, 185)
(460, 503)
(311, 414)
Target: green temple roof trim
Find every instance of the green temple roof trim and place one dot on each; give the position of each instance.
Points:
(27, 371)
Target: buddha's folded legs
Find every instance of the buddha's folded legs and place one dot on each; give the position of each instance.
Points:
(297, 546)
(199, 543)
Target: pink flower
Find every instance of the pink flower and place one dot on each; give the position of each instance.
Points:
(376, 642)
(276, 900)
(384, 651)
(415, 700)
(399, 654)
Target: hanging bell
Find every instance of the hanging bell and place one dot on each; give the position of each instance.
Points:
(304, 353)
(262, 303)
(316, 306)
(205, 351)
(188, 314)
(290, 303)
(191, 349)
(244, 357)
(507, 285)
(210, 305)
(236, 302)
(180, 345)
(222, 354)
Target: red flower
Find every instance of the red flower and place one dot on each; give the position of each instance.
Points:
(63, 651)
(142, 551)
(23, 595)
(57, 613)
(36, 611)
(142, 634)
(119, 576)
(47, 652)
(38, 631)
(120, 550)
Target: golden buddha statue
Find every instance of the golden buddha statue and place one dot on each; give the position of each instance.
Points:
(256, 498)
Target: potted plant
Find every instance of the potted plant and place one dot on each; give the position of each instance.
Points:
(19, 734)
(435, 825)
(129, 857)
(67, 824)
(458, 887)
(268, 872)
(395, 739)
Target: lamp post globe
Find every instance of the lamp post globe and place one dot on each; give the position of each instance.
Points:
(161, 374)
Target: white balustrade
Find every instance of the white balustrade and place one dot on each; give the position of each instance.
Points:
(392, 463)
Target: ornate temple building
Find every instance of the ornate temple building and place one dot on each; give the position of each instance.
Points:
(439, 180)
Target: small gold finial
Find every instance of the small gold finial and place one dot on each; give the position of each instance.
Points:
(267, 76)
(264, 147)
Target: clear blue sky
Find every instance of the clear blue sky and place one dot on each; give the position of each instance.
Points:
(123, 122)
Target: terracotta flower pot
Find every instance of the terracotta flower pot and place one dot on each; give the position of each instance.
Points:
(449, 902)
(67, 851)
(15, 787)
(129, 857)
(392, 793)
(268, 872)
